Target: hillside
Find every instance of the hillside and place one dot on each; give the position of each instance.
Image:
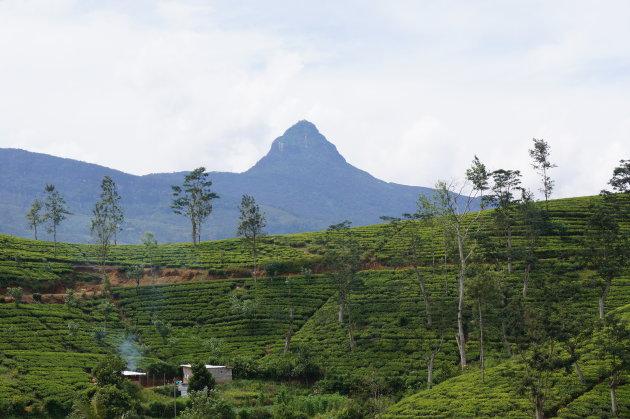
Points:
(303, 184)
(213, 311)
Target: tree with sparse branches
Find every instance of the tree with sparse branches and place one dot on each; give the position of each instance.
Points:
(605, 248)
(620, 180)
(454, 209)
(505, 184)
(540, 155)
(343, 259)
(150, 246)
(56, 211)
(34, 216)
(251, 226)
(194, 200)
(483, 289)
(613, 337)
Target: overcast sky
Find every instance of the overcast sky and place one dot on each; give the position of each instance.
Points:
(408, 90)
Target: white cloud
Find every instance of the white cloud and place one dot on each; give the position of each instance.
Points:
(408, 91)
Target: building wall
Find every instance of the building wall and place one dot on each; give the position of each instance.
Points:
(221, 375)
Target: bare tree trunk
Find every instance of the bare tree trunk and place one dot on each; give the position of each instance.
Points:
(445, 269)
(340, 315)
(194, 233)
(613, 401)
(255, 255)
(579, 372)
(509, 250)
(526, 279)
(461, 339)
(506, 344)
(431, 363)
(539, 408)
(351, 340)
(55, 238)
(287, 338)
(425, 295)
(287, 342)
(481, 355)
(602, 299)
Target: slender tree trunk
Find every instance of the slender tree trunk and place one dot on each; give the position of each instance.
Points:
(340, 314)
(35, 227)
(431, 363)
(481, 354)
(255, 254)
(289, 335)
(613, 400)
(509, 250)
(351, 340)
(425, 295)
(445, 269)
(602, 299)
(194, 233)
(506, 344)
(461, 339)
(579, 372)
(287, 342)
(55, 239)
(539, 408)
(526, 279)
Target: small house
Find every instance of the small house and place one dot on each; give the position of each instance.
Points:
(221, 373)
(135, 376)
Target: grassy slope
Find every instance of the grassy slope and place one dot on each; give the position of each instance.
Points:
(202, 310)
(391, 334)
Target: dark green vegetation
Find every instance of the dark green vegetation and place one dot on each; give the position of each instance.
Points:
(225, 317)
(293, 165)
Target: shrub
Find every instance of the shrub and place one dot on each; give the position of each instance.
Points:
(56, 408)
(238, 272)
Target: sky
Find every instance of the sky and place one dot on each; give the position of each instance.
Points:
(407, 90)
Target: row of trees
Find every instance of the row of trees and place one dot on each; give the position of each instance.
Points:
(51, 212)
(542, 333)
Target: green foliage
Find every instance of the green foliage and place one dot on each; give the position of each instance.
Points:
(108, 371)
(17, 293)
(194, 200)
(205, 404)
(201, 378)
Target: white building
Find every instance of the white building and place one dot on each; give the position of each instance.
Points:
(221, 373)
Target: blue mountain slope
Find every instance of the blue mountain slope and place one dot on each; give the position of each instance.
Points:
(303, 184)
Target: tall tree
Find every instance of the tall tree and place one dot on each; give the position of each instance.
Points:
(251, 226)
(56, 211)
(605, 248)
(540, 155)
(110, 199)
(194, 200)
(150, 247)
(34, 216)
(454, 208)
(290, 313)
(484, 289)
(613, 338)
(539, 347)
(534, 222)
(343, 259)
(505, 184)
(620, 180)
(103, 224)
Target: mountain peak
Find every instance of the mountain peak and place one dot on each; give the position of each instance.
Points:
(300, 145)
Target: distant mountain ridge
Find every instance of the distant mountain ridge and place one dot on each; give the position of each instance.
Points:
(303, 184)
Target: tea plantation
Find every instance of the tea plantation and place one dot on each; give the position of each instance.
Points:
(226, 316)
